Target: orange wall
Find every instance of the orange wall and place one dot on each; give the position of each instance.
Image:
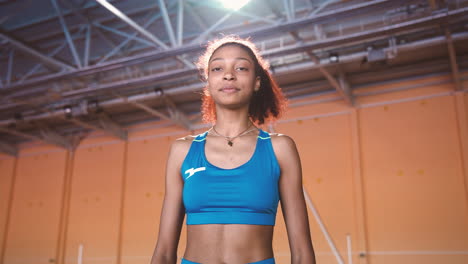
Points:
(391, 174)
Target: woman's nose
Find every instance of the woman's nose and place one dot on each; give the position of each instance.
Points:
(228, 76)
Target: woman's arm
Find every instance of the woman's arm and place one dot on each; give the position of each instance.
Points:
(292, 201)
(173, 211)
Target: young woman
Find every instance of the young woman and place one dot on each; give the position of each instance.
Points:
(230, 179)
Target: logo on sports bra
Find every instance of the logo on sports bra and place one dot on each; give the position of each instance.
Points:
(192, 171)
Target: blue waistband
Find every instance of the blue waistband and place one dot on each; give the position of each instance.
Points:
(246, 218)
(265, 261)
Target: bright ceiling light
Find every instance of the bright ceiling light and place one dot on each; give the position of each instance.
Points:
(235, 5)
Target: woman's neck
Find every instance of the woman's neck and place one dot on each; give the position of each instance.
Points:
(232, 122)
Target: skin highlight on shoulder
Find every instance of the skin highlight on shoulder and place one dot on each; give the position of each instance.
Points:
(186, 138)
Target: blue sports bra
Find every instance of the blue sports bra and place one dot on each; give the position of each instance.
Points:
(247, 194)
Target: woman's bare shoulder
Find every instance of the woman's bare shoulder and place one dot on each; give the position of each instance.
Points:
(182, 143)
(283, 146)
(281, 140)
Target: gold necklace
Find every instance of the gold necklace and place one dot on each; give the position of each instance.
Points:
(231, 139)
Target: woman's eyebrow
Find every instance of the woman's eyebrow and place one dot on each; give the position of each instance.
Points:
(238, 58)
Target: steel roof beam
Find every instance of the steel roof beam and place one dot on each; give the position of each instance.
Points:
(52, 137)
(339, 87)
(320, 7)
(416, 70)
(128, 39)
(51, 54)
(345, 85)
(196, 47)
(287, 9)
(104, 20)
(86, 19)
(196, 17)
(111, 127)
(148, 80)
(204, 34)
(180, 23)
(132, 23)
(87, 46)
(106, 124)
(453, 60)
(126, 35)
(167, 22)
(175, 114)
(431, 20)
(51, 62)
(19, 134)
(29, 23)
(67, 33)
(10, 66)
(137, 27)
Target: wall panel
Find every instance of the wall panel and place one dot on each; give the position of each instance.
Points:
(95, 203)
(324, 147)
(33, 228)
(144, 197)
(6, 182)
(415, 198)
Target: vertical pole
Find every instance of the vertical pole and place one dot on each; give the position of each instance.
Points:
(323, 228)
(358, 184)
(10, 66)
(350, 249)
(80, 254)
(87, 47)
(462, 125)
(453, 60)
(9, 209)
(122, 204)
(292, 9)
(167, 22)
(180, 23)
(62, 248)
(287, 9)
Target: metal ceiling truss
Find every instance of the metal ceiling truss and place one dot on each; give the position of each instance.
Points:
(140, 59)
(111, 126)
(140, 29)
(173, 113)
(453, 60)
(288, 36)
(67, 34)
(280, 70)
(48, 61)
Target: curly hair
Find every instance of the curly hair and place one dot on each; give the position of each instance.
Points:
(268, 104)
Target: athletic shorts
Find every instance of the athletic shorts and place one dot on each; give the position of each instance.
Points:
(265, 261)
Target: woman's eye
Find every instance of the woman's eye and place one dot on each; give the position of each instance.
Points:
(242, 69)
(215, 69)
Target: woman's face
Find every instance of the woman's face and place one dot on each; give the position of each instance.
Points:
(231, 76)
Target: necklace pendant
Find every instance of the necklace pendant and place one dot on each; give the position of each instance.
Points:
(230, 143)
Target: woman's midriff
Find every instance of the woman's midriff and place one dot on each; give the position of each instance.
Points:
(228, 243)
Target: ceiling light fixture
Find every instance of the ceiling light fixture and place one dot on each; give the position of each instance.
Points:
(334, 57)
(234, 5)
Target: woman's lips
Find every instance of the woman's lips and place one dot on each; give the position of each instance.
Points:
(229, 89)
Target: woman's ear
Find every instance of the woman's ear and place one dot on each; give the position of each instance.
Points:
(257, 84)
